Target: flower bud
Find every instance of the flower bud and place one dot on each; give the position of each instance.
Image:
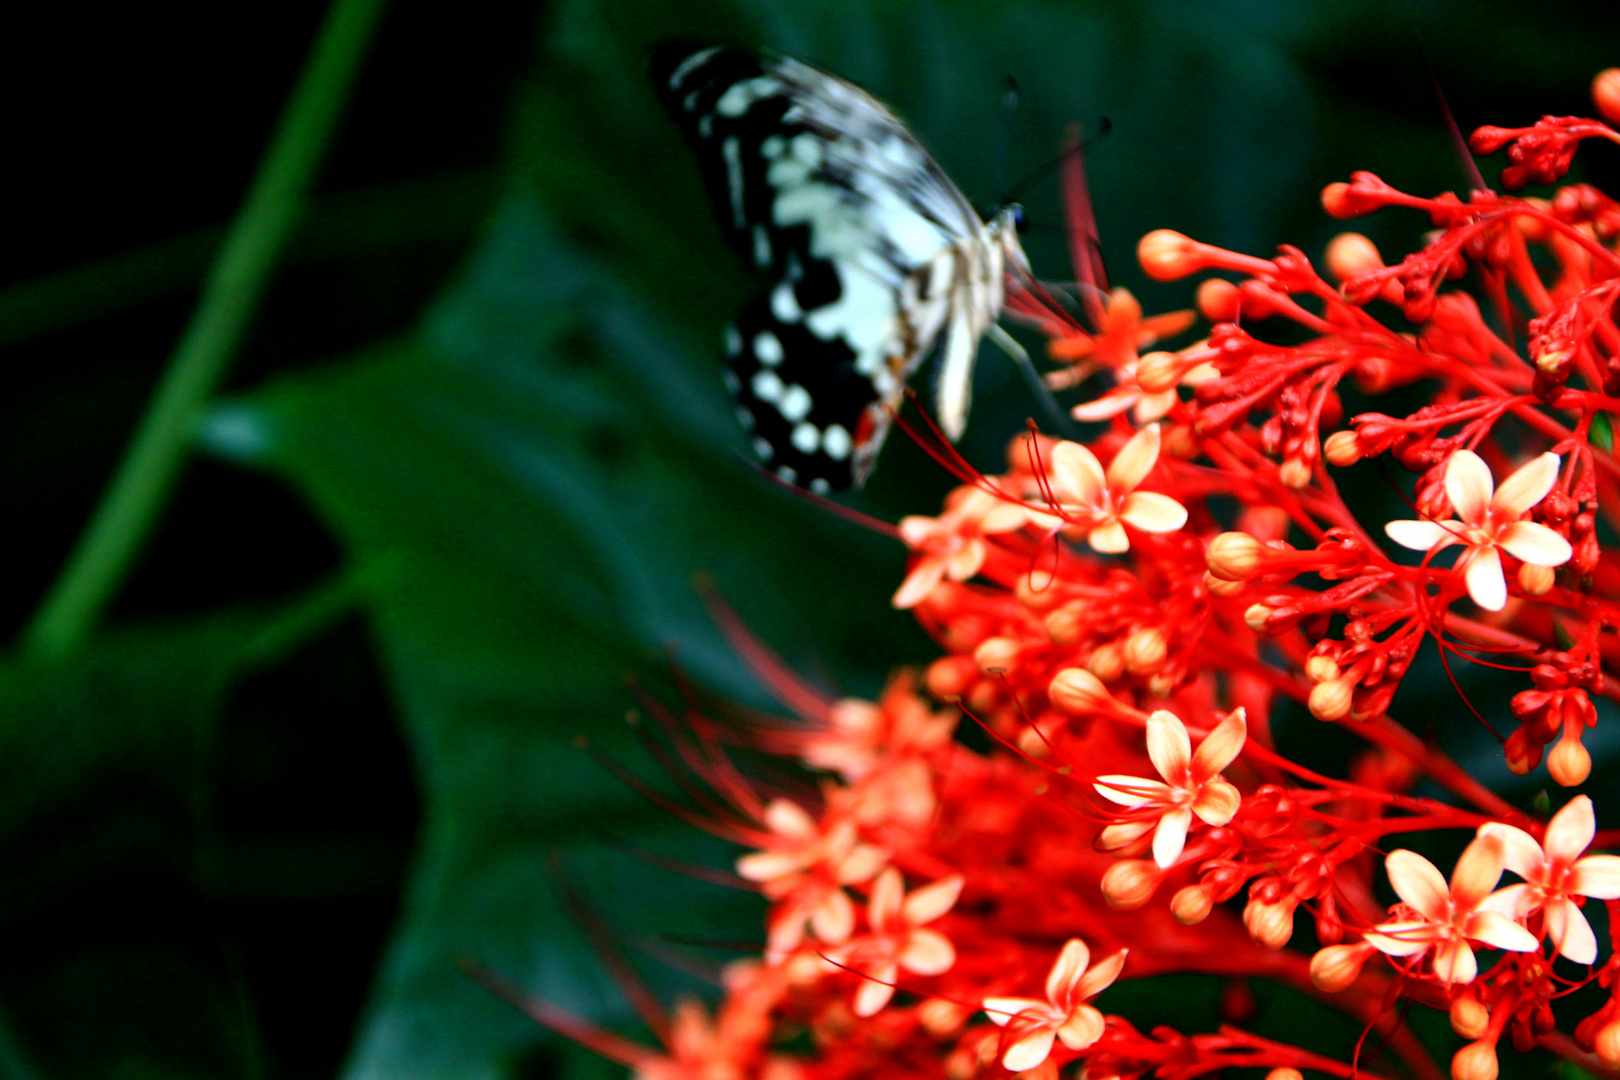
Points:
(1569, 763)
(1107, 662)
(1219, 300)
(1331, 700)
(1522, 752)
(1129, 884)
(1222, 587)
(1158, 371)
(1270, 925)
(1295, 473)
(1334, 968)
(1233, 556)
(1476, 1061)
(1167, 255)
(1320, 668)
(1192, 903)
(942, 1018)
(1063, 624)
(1536, 580)
(1606, 1045)
(1342, 448)
(1606, 96)
(996, 654)
(1257, 615)
(1350, 253)
(1337, 201)
(1469, 1018)
(1078, 691)
(1285, 1073)
(1145, 651)
(950, 676)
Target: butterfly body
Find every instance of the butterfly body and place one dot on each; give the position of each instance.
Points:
(872, 253)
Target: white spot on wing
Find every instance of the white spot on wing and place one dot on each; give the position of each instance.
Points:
(763, 449)
(806, 437)
(795, 403)
(740, 97)
(730, 378)
(767, 348)
(788, 473)
(784, 305)
(762, 246)
(835, 442)
(820, 486)
(690, 64)
(732, 152)
(733, 341)
(767, 386)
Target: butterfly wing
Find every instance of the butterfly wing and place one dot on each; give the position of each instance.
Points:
(858, 230)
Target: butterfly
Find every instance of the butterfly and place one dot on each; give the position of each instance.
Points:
(872, 255)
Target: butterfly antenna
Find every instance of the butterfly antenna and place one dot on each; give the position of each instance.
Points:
(1009, 105)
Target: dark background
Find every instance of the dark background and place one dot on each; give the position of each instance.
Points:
(475, 446)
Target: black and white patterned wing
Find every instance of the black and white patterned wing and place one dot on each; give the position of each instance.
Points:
(862, 236)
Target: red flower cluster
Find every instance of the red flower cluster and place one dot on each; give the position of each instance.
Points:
(942, 912)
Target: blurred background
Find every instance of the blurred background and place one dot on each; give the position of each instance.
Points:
(318, 742)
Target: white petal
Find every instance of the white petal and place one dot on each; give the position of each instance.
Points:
(1468, 486)
(1568, 929)
(1416, 881)
(1570, 831)
(1168, 746)
(1422, 535)
(1528, 485)
(1002, 1009)
(1153, 512)
(1029, 1051)
(1077, 475)
(1535, 544)
(1497, 930)
(1170, 837)
(1109, 538)
(1597, 876)
(1131, 791)
(1067, 969)
(1134, 460)
(1485, 581)
(1520, 852)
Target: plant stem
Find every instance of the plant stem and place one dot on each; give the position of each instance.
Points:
(147, 473)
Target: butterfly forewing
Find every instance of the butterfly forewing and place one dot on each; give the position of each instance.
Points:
(864, 240)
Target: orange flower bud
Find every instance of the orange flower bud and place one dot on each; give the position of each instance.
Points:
(1078, 691)
(1469, 1018)
(1336, 967)
(1219, 300)
(1606, 94)
(942, 1018)
(1330, 700)
(1145, 651)
(1342, 448)
(1285, 1073)
(1350, 253)
(950, 676)
(1192, 903)
(1569, 763)
(1536, 580)
(1270, 925)
(995, 654)
(1476, 1061)
(1130, 883)
(1107, 662)
(1319, 668)
(1233, 556)
(1222, 587)
(1255, 618)
(1167, 255)
(1295, 473)
(1336, 200)
(1063, 624)
(1606, 1044)
(1159, 371)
